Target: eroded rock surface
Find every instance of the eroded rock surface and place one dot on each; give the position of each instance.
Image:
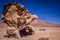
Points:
(17, 18)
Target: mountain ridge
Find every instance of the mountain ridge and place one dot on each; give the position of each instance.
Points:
(37, 23)
(44, 23)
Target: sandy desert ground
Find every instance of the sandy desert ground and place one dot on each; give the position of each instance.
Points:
(53, 33)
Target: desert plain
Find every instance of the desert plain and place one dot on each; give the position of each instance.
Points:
(52, 33)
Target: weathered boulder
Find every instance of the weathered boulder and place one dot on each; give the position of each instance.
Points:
(17, 18)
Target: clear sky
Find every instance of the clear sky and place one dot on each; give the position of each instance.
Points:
(47, 10)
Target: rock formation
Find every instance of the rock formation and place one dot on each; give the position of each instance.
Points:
(17, 18)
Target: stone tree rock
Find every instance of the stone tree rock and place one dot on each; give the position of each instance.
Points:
(17, 18)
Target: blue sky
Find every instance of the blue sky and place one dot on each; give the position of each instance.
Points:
(46, 10)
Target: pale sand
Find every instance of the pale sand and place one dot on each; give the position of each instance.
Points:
(53, 33)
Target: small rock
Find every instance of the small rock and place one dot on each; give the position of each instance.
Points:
(43, 39)
(42, 29)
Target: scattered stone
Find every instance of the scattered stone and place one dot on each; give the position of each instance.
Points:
(42, 29)
(43, 39)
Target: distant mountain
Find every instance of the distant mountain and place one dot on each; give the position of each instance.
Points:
(2, 25)
(40, 23)
(37, 23)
